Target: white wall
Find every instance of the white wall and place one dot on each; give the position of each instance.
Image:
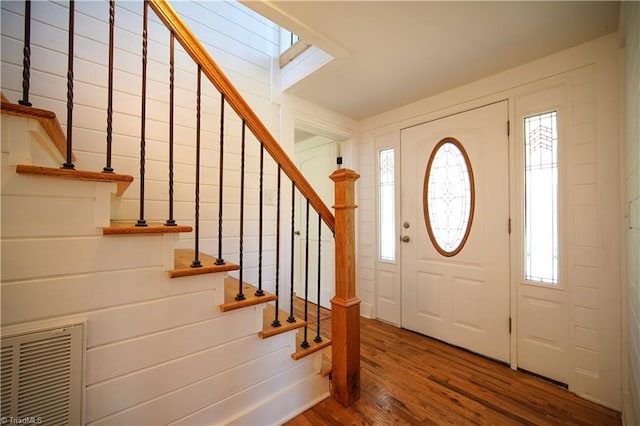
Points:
(590, 73)
(630, 32)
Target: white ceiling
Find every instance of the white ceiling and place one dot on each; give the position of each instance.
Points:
(391, 53)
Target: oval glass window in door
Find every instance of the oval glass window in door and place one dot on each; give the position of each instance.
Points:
(448, 197)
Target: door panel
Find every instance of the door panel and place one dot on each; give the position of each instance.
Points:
(543, 320)
(462, 299)
(388, 283)
(388, 294)
(542, 332)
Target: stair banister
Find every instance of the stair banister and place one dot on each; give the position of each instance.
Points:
(199, 54)
(345, 304)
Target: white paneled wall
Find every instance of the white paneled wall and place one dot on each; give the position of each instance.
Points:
(630, 22)
(366, 229)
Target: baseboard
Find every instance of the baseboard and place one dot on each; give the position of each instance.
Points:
(367, 311)
(287, 403)
(324, 382)
(629, 415)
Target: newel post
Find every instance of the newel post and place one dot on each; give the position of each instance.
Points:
(345, 306)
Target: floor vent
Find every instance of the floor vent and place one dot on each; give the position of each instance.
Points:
(41, 379)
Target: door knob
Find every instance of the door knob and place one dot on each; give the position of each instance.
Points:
(296, 232)
(405, 238)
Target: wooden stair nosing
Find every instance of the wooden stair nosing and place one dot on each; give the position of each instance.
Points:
(269, 330)
(47, 120)
(184, 257)
(123, 181)
(231, 290)
(313, 347)
(127, 228)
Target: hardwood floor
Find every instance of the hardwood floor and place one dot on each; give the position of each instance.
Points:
(411, 379)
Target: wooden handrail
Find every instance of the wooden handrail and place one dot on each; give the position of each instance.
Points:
(200, 55)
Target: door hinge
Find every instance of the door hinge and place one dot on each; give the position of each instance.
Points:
(510, 322)
(508, 127)
(509, 225)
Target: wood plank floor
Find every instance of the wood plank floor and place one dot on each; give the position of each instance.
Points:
(411, 379)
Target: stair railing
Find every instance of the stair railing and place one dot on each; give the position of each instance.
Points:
(345, 304)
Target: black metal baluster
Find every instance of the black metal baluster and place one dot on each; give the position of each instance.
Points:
(112, 21)
(143, 114)
(292, 318)
(26, 55)
(196, 259)
(68, 164)
(240, 295)
(318, 339)
(259, 291)
(219, 259)
(276, 321)
(305, 342)
(171, 221)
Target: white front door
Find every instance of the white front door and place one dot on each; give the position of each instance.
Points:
(316, 160)
(461, 298)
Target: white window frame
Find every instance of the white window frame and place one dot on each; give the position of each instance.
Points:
(379, 257)
(519, 225)
(556, 273)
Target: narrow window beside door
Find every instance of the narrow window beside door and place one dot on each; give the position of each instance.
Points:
(541, 198)
(387, 230)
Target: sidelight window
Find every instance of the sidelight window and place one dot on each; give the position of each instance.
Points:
(541, 198)
(387, 220)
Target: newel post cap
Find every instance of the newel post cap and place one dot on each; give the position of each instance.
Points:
(344, 175)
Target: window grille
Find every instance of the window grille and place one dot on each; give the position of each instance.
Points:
(541, 198)
(387, 231)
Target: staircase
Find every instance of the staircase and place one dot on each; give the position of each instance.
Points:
(183, 323)
(158, 347)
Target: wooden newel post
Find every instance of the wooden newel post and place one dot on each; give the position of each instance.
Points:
(345, 306)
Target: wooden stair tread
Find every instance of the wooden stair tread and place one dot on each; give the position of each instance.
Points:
(124, 228)
(313, 346)
(47, 120)
(269, 330)
(312, 327)
(123, 181)
(231, 290)
(184, 257)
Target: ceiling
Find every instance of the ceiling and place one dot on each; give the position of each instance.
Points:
(391, 53)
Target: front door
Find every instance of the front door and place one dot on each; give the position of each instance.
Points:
(455, 230)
